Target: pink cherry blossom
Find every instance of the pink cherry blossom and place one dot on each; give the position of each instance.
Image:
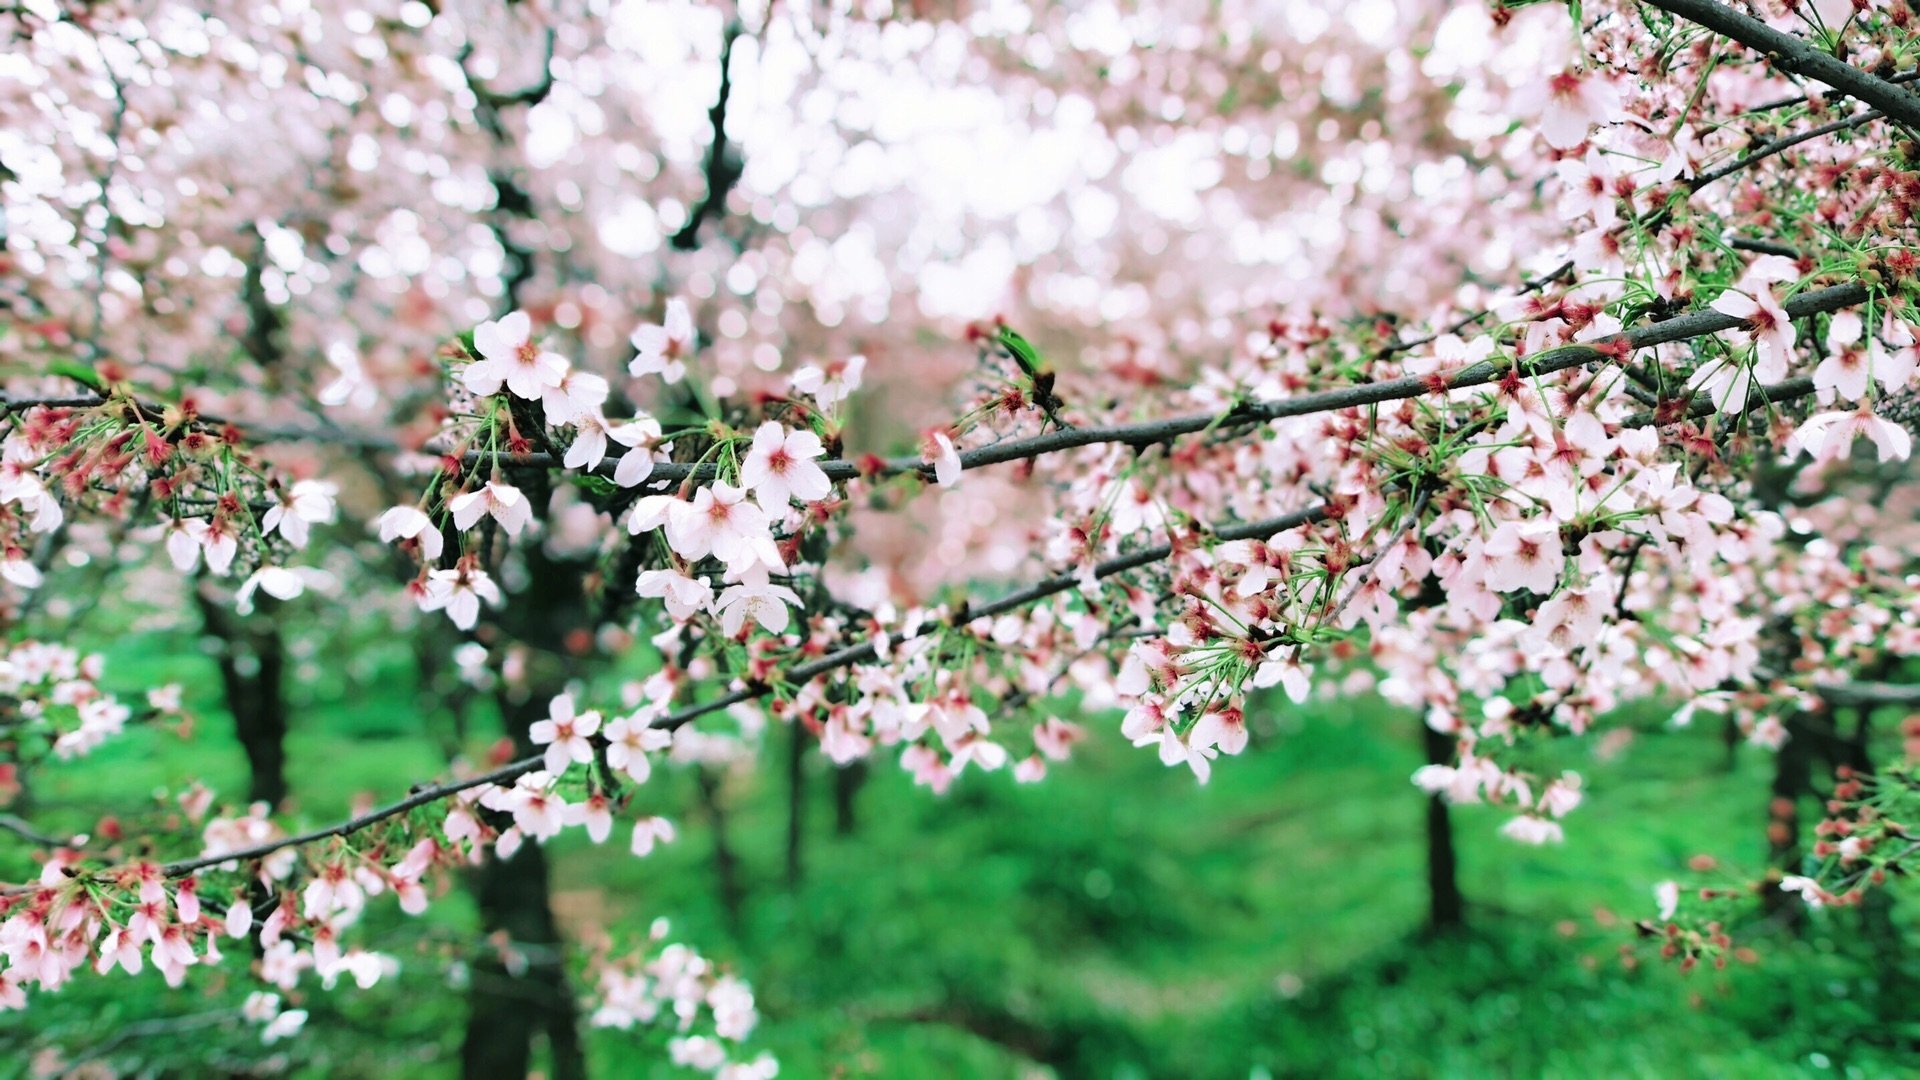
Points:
(577, 394)
(779, 467)
(944, 459)
(307, 502)
(833, 383)
(1771, 331)
(502, 502)
(765, 604)
(508, 355)
(591, 435)
(1524, 555)
(1828, 436)
(411, 524)
(459, 592)
(663, 348)
(1576, 102)
(684, 596)
(650, 831)
(721, 522)
(630, 741)
(566, 735)
(1533, 830)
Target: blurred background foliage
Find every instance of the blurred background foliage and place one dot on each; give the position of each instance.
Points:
(1117, 920)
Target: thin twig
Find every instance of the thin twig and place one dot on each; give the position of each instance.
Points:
(23, 829)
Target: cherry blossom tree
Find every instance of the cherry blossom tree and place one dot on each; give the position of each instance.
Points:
(950, 384)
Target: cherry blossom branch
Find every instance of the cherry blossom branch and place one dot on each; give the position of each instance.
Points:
(1150, 432)
(1785, 142)
(421, 796)
(1868, 693)
(103, 254)
(854, 654)
(1753, 157)
(846, 657)
(1781, 103)
(1824, 300)
(722, 168)
(1790, 53)
(252, 431)
(532, 94)
(13, 405)
(20, 827)
(1763, 247)
(1677, 329)
(1527, 287)
(1138, 435)
(1846, 883)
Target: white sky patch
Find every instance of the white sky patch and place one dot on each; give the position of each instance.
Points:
(970, 288)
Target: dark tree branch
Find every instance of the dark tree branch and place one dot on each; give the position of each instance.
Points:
(21, 828)
(1785, 142)
(1797, 99)
(1794, 54)
(1868, 693)
(1147, 433)
(723, 166)
(1763, 247)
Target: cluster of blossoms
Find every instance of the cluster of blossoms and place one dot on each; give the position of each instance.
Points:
(1513, 511)
(669, 983)
(176, 916)
(1866, 838)
(745, 520)
(1491, 536)
(216, 502)
(51, 704)
(1869, 831)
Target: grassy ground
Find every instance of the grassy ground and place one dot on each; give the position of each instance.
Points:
(1117, 920)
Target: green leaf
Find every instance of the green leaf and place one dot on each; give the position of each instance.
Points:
(80, 373)
(1022, 351)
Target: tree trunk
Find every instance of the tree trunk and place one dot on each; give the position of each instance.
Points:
(1792, 779)
(847, 781)
(796, 802)
(508, 1009)
(252, 662)
(510, 1005)
(726, 865)
(1446, 908)
(1893, 980)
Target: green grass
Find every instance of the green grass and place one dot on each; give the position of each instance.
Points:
(1117, 920)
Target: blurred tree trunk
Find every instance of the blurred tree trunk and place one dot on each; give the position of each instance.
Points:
(726, 865)
(796, 802)
(509, 1005)
(1887, 944)
(1731, 738)
(1446, 908)
(546, 616)
(439, 692)
(847, 781)
(251, 656)
(1792, 779)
